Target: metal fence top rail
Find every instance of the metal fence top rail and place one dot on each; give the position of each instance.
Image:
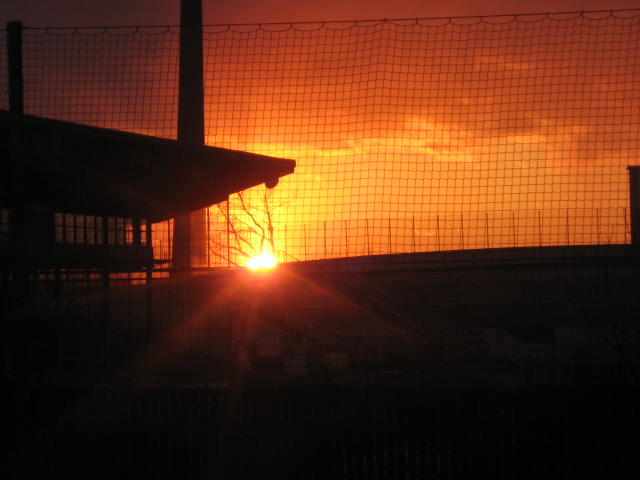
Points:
(340, 24)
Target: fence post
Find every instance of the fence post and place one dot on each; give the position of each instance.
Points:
(228, 225)
(539, 229)
(16, 83)
(626, 224)
(346, 238)
(148, 284)
(105, 320)
(325, 238)
(486, 228)
(286, 245)
(366, 233)
(634, 199)
(413, 233)
(12, 164)
(304, 238)
(148, 310)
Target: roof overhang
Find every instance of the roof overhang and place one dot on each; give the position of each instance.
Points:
(71, 167)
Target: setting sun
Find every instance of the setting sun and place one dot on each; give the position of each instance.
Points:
(264, 261)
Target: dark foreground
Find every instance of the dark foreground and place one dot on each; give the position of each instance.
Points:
(321, 432)
(510, 364)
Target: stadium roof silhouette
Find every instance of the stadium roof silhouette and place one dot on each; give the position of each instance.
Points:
(70, 167)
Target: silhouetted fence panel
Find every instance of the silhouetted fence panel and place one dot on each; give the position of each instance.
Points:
(447, 231)
(322, 433)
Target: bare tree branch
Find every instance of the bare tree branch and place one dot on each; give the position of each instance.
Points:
(249, 224)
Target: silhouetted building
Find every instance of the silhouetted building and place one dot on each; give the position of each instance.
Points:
(74, 196)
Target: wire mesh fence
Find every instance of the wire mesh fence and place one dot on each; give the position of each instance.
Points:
(412, 135)
(121, 78)
(425, 233)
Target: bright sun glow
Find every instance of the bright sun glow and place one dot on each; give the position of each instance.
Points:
(264, 261)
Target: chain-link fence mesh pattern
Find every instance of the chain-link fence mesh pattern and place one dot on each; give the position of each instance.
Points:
(120, 78)
(409, 136)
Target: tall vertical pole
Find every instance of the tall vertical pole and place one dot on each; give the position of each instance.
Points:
(634, 194)
(13, 169)
(189, 228)
(105, 320)
(148, 289)
(17, 288)
(14, 51)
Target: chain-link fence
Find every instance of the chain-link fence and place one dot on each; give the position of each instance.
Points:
(412, 135)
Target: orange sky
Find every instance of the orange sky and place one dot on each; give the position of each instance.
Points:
(509, 134)
(408, 137)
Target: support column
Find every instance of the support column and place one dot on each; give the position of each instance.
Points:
(12, 168)
(189, 229)
(634, 198)
(14, 52)
(105, 320)
(14, 311)
(148, 288)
